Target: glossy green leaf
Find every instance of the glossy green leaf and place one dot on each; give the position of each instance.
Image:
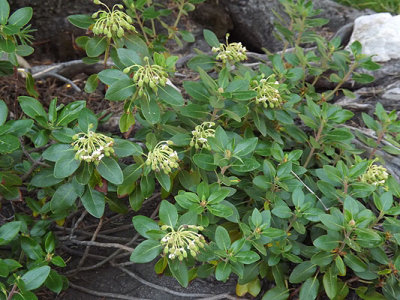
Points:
(309, 289)
(143, 224)
(9, 231)
(4, 11)
(21, 17)
(146, 251)
(168, 213)
(180, 271)
(35, 277)
(94, 202)
(63, 198)
(32, 107)
(8, 143)
(330, 283)
(110, 170)
(170, 95)
(66, 165)
(96, 46)
(3, 112)
(81, 21)
(210, 38)
(222, 238)
(302, 271)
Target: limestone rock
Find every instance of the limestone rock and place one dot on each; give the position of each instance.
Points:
(379, 35)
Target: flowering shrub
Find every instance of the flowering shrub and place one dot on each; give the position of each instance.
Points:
(258, 174)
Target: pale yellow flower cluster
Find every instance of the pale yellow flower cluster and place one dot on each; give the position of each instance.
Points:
(182, 241)
(112, 23)
(151, 75)
(376, 175)
(162, 157)
(230, 52)
(268, 93)
(200, 134)
(92, 146)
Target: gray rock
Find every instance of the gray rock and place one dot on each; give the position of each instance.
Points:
(379, 35)
(253, 20)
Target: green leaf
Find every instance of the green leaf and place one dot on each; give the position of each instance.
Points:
(110, 170)
(331, 222)
(4, 11)
(302, 271)
(276, 293)
(131, 175)
(330, 283)
(339, 134)
(6, 68)
(70, 112)
(282, 211)
(124, 148)
(143, 224)
(56, 151)
(355, 263)
(94, 202)
(223, 271)
(203, 62)
(32, 107)
(21, 17)
(168, 213)
(363, 78)
(220, 210)
(54, 282)
(35, 277)
(81, 21)
(63, 198)
(126, 121)
(45, 178)
(196, 90)
(217, 196)
(66, 165)
(9, 231)
(8, 143)
(309, 289)
(120, 90)
(204, 161)
(96, 46)
(247, 257)
(150, 110)
(187, 36)
(3, 112)
(340, 266)
(128, 57)
(326, 243)
(170, 95)
(91, 83)
(8, 46)
(109, 76)
(210, 38)
(164, 180)
(222, 238)
(180, 271)
(146, 251)
(195, 111)
(86, 118)
(245, 147)
(368, 238)
(298, 197)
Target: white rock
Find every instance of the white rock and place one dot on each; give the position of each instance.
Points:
(379, 35)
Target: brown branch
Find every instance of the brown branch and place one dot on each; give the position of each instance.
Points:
(161, 288)
(102, 294)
